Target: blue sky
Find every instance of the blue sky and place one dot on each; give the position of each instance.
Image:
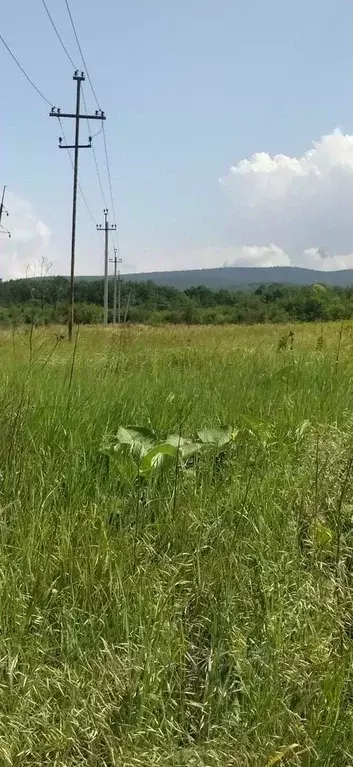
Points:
(190, 88)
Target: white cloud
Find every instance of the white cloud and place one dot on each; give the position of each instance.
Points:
(213, 256)
(29, 242)
(282, 211)
(257, 255)
(302, 204)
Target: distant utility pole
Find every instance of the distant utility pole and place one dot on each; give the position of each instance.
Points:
(3, 210)
(106, 228)
(99, 115)
(116, 261)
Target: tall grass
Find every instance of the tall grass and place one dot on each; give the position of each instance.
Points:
(208, 621)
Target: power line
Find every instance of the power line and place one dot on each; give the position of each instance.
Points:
(98, 131)
(109, 179)
(69, 58)
(84, 102)
(97, 102)
(50, 104)
(81, 53)
(106, 229)
(3, 210)
(58, 35)
(85, 105)
(94, 153)
(117, 279)
(78, 183)
(24, 72)
(85, 201)
(77, 116)
(99, 176)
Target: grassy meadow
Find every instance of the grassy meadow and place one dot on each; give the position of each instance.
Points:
(199, 616)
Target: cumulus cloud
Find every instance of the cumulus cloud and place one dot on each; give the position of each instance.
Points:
(29, 241)
(213, 256)
(301, 204)
(282, 211)
(257, 255)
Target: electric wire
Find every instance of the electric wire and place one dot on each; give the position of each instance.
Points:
(98, 106)
(24, 72)
(83, 97)
(50, 103)
(110, 185)
(81, 52)
(94, 152)
(58, 34)
(78, 181)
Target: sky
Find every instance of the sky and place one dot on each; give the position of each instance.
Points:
(229, 130)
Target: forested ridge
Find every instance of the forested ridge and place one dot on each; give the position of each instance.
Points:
(45, 300)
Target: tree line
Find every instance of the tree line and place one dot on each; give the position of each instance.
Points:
(45, 300)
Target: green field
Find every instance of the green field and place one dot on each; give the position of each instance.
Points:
(200, 614)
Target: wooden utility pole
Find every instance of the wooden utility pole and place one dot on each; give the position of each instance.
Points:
(106, 229)
(116, 261)
(119, 292)
(99, 115)
(3, 210)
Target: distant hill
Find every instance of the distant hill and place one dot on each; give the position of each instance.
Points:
(238, 277)
(235, 277)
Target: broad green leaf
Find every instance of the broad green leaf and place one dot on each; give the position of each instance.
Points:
(139, 439)
(156, 457)
(176, 440)
(215, 435)
(185, 447)
(188, 450)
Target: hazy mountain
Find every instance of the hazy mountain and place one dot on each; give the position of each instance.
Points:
(234, 277)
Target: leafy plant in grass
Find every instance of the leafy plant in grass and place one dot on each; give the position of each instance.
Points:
(149, 452)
